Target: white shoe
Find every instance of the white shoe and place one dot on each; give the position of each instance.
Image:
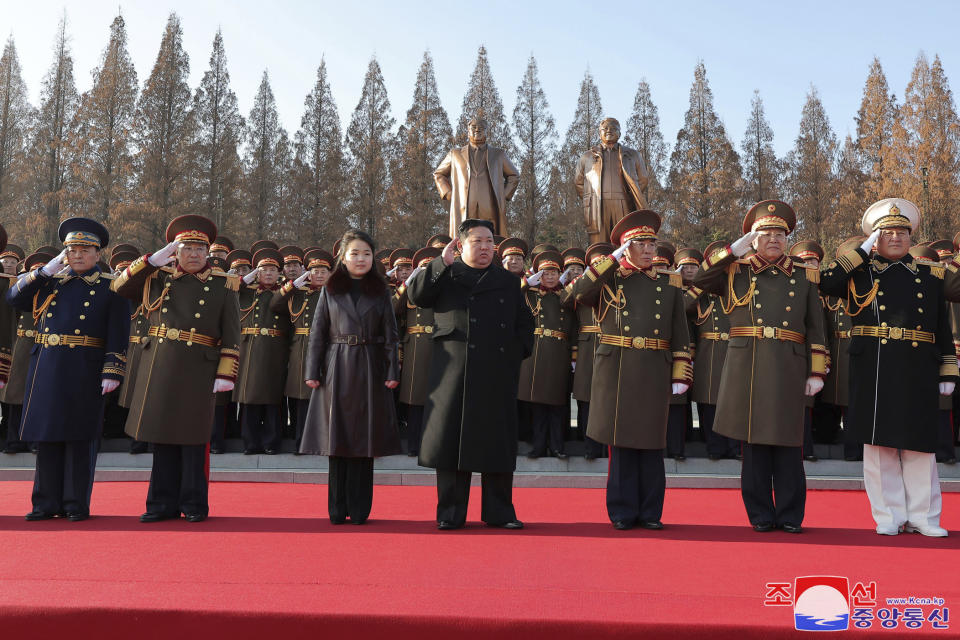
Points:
(888, 529)
(928, 530)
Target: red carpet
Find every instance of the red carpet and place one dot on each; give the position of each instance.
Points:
(268, 564)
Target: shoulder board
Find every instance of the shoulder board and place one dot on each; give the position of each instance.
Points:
(252, 287)
(813, 273)
(937, 269)
(676, 280)
(107, 276)
(167, 269)
(217, 271)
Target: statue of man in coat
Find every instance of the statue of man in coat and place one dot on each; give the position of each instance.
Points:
(478, 180)
(483, 330)
(612, 181)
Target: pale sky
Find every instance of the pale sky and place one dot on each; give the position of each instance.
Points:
(780, 50)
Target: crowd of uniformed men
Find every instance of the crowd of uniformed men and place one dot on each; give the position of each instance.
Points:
(201, 340)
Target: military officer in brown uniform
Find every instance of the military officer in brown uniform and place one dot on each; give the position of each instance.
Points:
(901, 358)
(810, 253)
(686, 262)
(264, 350)
(297, 299)
(513, 254)
(10, 257)
(711, 329)
(775, 356)
(545, 374)
(190, 352)
(416, 326)
(221, 248)
(12, 394)
(642, 357)
(587, 332)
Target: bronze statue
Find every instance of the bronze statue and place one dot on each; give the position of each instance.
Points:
(615, 178)
(478, 180)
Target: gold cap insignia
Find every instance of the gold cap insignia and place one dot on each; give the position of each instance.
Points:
(771, 208)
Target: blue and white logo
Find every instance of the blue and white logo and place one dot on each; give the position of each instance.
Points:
(821, 603)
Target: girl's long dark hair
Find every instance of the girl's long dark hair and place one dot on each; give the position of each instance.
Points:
(340, 281)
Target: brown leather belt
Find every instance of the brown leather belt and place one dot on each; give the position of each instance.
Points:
(550, 333)
(894, 333)
(58, 340)
(263, 331)
(590, 328)
(26, 333)
(774, 333)
(713, 335)
(841, 334)
(301, 331)
(190, 337)
(353, 340)
(420, 328)
(635, 342)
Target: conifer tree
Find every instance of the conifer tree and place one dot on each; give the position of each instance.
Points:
(811, 183)
(761, 169)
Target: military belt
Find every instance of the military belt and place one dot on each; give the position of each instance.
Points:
(635, 342)
(713, 335)
(26, 333)
(550, 333)
(136, 339)
(894, 333)
(301, 331)
(774, 333)
(263, 331)
(57, 340)
(190, 337)
(841, 334)
(590, 328)
(353, 340)
(420, 328)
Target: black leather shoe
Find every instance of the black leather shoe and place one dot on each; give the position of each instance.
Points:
(622, 525)
(39, 515)
(13, 450)
(656, 525)
(77, 516)
(588, 456)
(533, 455)
(713, 456)
(810, 458)
(513, 524)
(789, 527)
(561, 455)
(358, 520)
(412, 454)
(763, 527)
(151, 516)
(679, 457)
(251, 452)
(270, 452)
(338, 520)
(195, 517)
(216, 450)
(446, 525)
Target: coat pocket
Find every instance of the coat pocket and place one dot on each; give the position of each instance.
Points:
(604, 350)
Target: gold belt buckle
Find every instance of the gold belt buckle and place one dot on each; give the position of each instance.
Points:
(724, 336)
(548, 332)
(264, 331)
(53, 340)
(639, 342)
(428, 329)
(769, 332)
(30, 333)
(896, 333)
(173, 334)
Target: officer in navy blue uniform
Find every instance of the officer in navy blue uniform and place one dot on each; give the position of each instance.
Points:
(82, 330)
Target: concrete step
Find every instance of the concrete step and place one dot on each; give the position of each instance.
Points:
(403, 470)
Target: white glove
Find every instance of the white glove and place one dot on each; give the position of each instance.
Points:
(622, 249)
(565, 276)
(534, 280)
(814, 385)
(109, 385)
(251, 277)
(867, 245)
(162, 258)
(573, 366)
(744, 244)
(303, 278)
(413, 274)
(54, 266)
(679, 388)
(222, 385)
(946, 388)
(392, 271)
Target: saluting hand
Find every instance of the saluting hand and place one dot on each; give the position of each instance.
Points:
(449, 252)
(565, 276)
(622, 249)
(534, 280)
(867, 245)
(391, 273)
(391, 384)
(54, 266)
(413, 274)
(744, 243)
(162, 258)
(299, 282)
(108, 385)
(251, 277)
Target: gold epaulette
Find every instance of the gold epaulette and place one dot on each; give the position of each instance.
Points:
(813, 273)
(937, 270)
(676, 280)
(233, 281)
(742, 261)
(217, 271)
(168, 269)
(107, 276)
